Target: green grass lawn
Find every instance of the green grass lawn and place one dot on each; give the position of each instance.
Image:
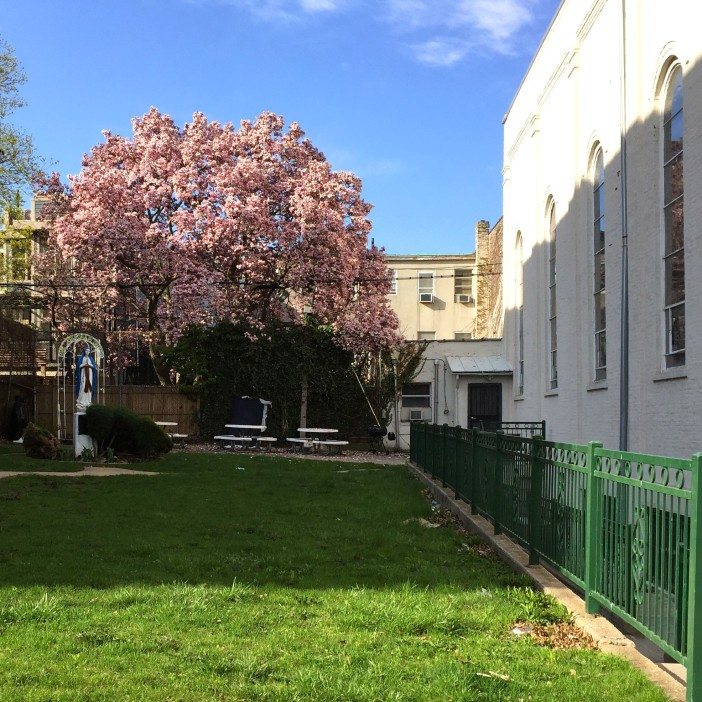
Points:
(287, 580)
(12, 458)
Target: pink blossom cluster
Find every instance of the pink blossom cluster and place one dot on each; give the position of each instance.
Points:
(205, 223)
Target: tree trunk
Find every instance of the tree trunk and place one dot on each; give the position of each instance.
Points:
(162, 373)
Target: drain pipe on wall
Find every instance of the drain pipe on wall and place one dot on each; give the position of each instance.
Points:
(624, 346)
(435, 409)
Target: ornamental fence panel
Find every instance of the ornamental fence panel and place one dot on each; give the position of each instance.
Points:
(623, 527)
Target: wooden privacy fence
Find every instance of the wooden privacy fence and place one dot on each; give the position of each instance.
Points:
(162, 404)
(624, 527)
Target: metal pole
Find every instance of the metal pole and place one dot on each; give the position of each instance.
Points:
(624, 350)
(435, 413)
(694, 596)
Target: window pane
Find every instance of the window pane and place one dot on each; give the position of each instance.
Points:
(416, 389)
(599, 231)
(600, 350)
(674, 226)
(554, 333)
(599, 203)
(599, 169)
(426, 282)
(415, 401)
(600, 311)
(676, 328)
(463, 281)
(554, 368)
(673, 136)
(599, 271)
(426, 335)
(673, 174)
(675, 278)
(674, 99)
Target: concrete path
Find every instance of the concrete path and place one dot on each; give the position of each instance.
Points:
(90, 471)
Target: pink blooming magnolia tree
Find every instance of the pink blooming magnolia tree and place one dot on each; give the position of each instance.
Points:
(177, 227)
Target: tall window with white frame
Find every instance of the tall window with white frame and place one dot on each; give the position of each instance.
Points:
(674, 238)
(600, 306)
(552, 325)
(519, 303)
(425, 286)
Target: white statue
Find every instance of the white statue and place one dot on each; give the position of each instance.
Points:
(86, 381)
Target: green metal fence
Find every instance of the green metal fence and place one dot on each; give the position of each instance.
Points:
(624, 527)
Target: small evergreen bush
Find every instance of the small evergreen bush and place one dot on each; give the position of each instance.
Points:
(40, 443)
(126, 433)
(99, 423)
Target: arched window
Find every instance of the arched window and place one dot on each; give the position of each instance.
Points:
(600, 306)
(674, 244)
(519, 304)
(552, 310)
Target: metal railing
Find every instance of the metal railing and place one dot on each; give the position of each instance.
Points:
(624, 527)
(527, 429)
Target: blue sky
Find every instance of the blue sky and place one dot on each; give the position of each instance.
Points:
(408, 94)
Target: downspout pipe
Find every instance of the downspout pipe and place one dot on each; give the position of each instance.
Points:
(436, 391)
(624, 331)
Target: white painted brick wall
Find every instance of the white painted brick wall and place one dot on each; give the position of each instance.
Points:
(570, 99)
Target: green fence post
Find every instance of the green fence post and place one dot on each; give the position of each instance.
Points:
(457, 470)
(496, 483)
(537, 473)
(413, 444)
(431, 449)
(473, 473)
(593, 528)
(444, 452)
(694, 593)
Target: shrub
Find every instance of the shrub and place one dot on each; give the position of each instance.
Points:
(126, 433)
(139, 436)
(99, 425)
(40, 443)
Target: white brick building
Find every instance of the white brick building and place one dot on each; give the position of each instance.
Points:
(594, 146)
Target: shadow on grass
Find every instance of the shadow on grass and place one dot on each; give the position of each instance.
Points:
(12, 457)
(217, 519)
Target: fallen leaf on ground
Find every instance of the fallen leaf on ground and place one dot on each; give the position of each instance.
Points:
(561, 636)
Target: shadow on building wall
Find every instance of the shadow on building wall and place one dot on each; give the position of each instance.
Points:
(663, 412)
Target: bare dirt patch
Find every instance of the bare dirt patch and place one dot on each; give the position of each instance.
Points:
(90, 471)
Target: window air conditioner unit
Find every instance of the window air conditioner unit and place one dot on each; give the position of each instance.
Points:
(415, 415)
(464, 298)
(426, 297)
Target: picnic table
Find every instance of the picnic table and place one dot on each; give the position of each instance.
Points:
(166, 426)
(244, 434)
(313, 440)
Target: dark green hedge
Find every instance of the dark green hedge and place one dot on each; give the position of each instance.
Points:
(220, 362)
(126, 433)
